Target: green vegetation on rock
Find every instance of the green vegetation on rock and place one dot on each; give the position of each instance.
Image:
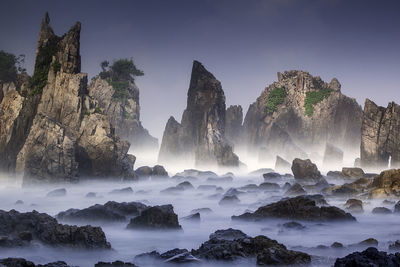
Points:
(314, 97)
(10, 65)
(119, 75)
(42, 66)
(275, 98)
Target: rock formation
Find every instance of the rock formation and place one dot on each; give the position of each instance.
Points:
(53, 133)
(300, 113)
(380, 140)
(201, 134)
(233, 126)
(124, 116)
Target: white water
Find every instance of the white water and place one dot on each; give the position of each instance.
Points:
(128, 243)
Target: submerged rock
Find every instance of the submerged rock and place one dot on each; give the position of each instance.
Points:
(298, 208)
(47, 230)
(295, 190)
(369, 257)
(352, 172)
(231, 244)
(114, 264)
(195, 217)
(229, 200)
(57, 193)
(381, 210)
(157, 217)
(109, 212)
(354, 205)
(122, 191)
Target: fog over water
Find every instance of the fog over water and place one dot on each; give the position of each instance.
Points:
(128, 243)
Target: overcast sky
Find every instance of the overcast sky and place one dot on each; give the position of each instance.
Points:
(243, 43)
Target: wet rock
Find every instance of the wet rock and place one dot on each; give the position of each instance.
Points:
(157, 217)
(381, 210)
(282, 165)
(369, 257)
(298, 208)
(144, 171)
(271, 176)
(185, 185)
(122, 191)
(334, 174)
(91, 195)
(344, 190)
(233, 127)
(293, 226)
(159, 171)
(20, 262)
(395, 245)
(386, 184)
(305, 170)
(195, 217)
(230, 244)
(352, 172)
(397, 207)
(354, 205)
(47, 230)
(19, 202)
(295, 190)
(177, 256)
(61, 192)
(114, 264)
(336, 245)
(286, 186)
(269, 186)
(369, 242)
(229, 200)
(109, 212)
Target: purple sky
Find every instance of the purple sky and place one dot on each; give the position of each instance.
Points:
(243, 43)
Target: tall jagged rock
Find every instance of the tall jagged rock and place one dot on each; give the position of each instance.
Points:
(380, 140)
(124, 116)
(306, 112)
(54, 133)
(233, 126)
(201, 134)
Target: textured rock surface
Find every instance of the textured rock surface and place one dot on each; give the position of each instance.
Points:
(47, 230)
(125, 118)
(329, 121)
(298, 208)
(369, 257)
(157, 217)
(233, 125)
(231, 244)
(305, 170)
(201, 134)
(57, 135)
(380, 136)
(386, 184)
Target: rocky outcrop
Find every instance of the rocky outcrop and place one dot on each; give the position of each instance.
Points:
(45, 229)
(305, 170)
(201, 134)
(299, 208)
(233, 125)
(54, 133)
(124, 115)
(231, 244)
(157, 217)
(386, 184)
(307, 111)
(380, 136)
(369, 257)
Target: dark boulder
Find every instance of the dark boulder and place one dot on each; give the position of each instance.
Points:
(229, 200)
(381, 210)
(114, 264)
(195, 217)
(157, 217)
(369, 257)
(231, 244)
(295, 190)
(298, 208)
(354, 205)
(352, 172)
(122, 191)
(271, 176)
(305, 170)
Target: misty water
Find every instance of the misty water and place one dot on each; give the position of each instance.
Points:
(128, 243)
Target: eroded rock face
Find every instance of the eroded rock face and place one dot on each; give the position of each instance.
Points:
(386, 184)
(124, 117)
(380, 136)
(328, 120)
(233, 126)
(46, 229)
(305, 170)
(298, 208)
(231, 244)
(64, 137)
(201, 134)
(157, 217)
(369, 257)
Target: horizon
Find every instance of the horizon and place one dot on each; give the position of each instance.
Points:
(245, 54)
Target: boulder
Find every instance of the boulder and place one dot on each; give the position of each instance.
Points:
(298, 208)
(157, 217)
(45, 229)
(269, 186)
(305, 170)
(271, 176)
(352, 172)
(381, 210)
(195, 217)
(295, 190)
(387, 184)
(231, 244)
(369, 257)
(114, 264)
(354, 205)
(229, 200)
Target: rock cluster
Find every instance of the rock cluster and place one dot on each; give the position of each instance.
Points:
(201, 134)
(54, 132)
(156, 217)
(380, 135)
(369, 257)
(286, 107)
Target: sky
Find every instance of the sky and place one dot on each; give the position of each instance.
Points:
(244, 43)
